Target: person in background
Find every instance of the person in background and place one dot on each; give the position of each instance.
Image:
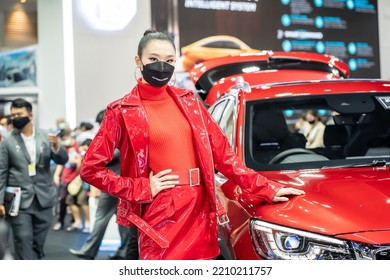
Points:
(106, 209)
(169, 149)
(5, 126)
(61, 124)
(301, 126)
(6, 123)
(315, 133)
(25, 162)
(86, 131)
(64, 174)
(79, 200)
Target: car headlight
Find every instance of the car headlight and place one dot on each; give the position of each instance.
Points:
(277, 242)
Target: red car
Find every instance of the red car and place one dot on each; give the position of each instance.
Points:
(212, 47)
(345, 213)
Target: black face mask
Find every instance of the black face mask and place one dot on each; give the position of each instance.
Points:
(157, 73)
(20, 122)
(312, 122)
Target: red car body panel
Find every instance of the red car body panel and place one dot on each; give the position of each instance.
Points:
(317, 88)
(335, 201)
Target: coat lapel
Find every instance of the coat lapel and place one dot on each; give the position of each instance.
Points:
(21, 146)
(138, 131)
(38, 145)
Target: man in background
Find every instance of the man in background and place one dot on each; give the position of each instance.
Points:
(5, 126)
(25, 156)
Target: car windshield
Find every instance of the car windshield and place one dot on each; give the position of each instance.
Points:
(326, 131)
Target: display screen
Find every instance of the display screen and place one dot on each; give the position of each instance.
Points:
(347, 29)
(18, 68)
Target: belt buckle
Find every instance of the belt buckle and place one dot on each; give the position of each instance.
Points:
(223, 219)
(190, 173)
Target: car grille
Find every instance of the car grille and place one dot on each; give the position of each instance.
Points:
(383, 255)
(370, 252)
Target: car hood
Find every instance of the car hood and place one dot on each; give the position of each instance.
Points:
(341, 201)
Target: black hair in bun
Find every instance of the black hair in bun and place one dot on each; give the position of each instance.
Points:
(150, 31)
(149, 35)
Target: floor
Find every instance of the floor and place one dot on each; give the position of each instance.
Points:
(59, 242)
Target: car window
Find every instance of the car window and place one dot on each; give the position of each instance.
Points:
(309, 132)
(218, 44)
(223, 113)
(222, 45)
(231, 45)
(227, 121)
(217, 109)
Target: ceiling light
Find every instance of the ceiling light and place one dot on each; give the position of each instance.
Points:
(108, 14)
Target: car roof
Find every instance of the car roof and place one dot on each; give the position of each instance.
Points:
(317, 87)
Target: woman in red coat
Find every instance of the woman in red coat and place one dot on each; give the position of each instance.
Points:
(169, 147)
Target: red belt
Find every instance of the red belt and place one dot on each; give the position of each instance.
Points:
(188, 177)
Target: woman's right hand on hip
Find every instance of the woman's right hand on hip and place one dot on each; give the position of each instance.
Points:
(162, 181)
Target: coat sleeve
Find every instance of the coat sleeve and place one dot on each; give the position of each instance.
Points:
(61, 157)
(3, 169)
(94, 168)
(259, 188)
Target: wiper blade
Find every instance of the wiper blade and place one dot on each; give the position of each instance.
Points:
(374, 163)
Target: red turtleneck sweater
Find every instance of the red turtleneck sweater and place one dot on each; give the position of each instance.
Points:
(170, 137)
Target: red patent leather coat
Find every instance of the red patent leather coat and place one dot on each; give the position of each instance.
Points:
(125, 127)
